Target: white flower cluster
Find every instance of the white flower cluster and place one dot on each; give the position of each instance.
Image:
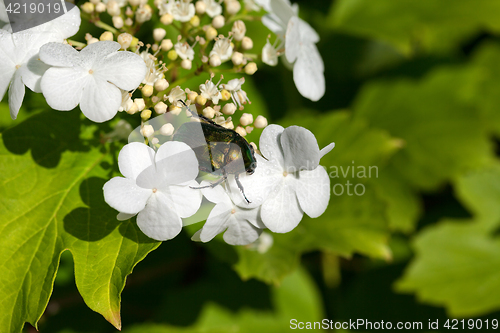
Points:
(38, 59)
(161, 188)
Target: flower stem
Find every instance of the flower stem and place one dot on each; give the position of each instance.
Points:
(75, 43)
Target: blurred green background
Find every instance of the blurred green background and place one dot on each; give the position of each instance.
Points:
(413, 90)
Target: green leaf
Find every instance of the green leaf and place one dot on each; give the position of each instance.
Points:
(51, 199)
(436, 117)
(411, 25)
(297, 297)
(456, 266)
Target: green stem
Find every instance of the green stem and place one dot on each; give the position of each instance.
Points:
(102, 25)
(75, 43)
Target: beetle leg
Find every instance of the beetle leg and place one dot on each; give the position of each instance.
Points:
(237, 178)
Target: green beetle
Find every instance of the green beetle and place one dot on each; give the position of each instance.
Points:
(220, 151)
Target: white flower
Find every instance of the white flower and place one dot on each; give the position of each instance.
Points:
(238, 95)
(19, 63)
(127, 101)
(308, 67)
(243, 225)
(184, 51)
(176, 94)
(222, 48)
(92, 78)
(213, 7)
(156, 187)
(209, 90)
(182, 10)
(300, 47)
(288, 181)
(270, 54)
(153, 73)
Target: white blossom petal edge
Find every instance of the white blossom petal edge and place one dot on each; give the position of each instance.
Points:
(288, 181)
(92, 78)
(157, 187)
(243, 225)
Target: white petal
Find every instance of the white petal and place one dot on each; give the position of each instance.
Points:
(159, 220)
(216, 222)
(16, 95)
(250, 215)
(68, 24)
(326, 149)
(125, 196)
(292, 40)
(281, 212)
(273, 23)
(300, 149)
(100, 100)
(134, 158)
(63, 87)
(183, 165)
(313, 191)
(95, 52)
(124, 69)
(185, 199)
(282, 10)
(7, 65)
(269, 144)
(258, 186)
(32, 74)
(216, 194)
(308, 74)
(59, 54)
(124, 216)
(241, 233)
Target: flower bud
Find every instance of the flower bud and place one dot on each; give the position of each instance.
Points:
(95, 2)
(129, 22)
(147, 90)
(200, 7)
(143, 14)
(161, 84)
(246, 119)
(167, 19)
(186, 64)
(211, 33)
(100, 7)
(106, 36)
(251, 68)
(228, 124)
(124, 40)
(201, 100)
(167, 129)
(226, 95)
(249, 129)
(146, 114)
(195, 21)
(215, 60)
(117, 22)
(246, 43)
(133, 109)
(175, 110)
(92, 40)
(88, 7)
(229, 109)
(166, 44)
(209, 112)
(240, 130)
(139, 102)
(218, 21)
(172, 55)
(147, 131)
(161, 108)
(159, 34)
(134, 3)
(113, 8)
(192, 96)
(239, 30)
(233, 7)
(237, 58)
(260, 122)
